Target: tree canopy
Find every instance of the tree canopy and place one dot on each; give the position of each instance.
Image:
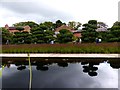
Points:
(45, 32)
(65, 36)
(89, 33)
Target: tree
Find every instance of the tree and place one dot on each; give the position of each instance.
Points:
(89, 33)
(114, 33)
(19, 28)
(102, 24)
(65, 36)
(30, 23)
(41, 34)
(116, 24)
(6, 36)
(22, 38)
(74, 25)
(58, 23)
(92, 22)
(49, 25)
(103, 36)
(37, 35)
(103, 31)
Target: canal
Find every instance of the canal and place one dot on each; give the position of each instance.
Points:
(60, 73)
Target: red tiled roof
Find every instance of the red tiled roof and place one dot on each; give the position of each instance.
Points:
(63, 27)
(12, 28)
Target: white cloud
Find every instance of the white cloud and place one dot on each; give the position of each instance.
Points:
(8, 18)
(65, 10)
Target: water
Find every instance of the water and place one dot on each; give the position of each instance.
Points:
(61, 73)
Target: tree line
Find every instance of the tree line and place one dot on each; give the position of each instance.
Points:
(44, 32)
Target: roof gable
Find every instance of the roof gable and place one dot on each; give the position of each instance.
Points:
(63, 27)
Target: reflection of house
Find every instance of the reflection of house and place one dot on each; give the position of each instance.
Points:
(15, 29)
(76, 33)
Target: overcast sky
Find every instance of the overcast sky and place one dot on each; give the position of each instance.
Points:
(13, 11)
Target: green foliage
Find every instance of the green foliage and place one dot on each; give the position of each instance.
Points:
(58, 23)
(74, 25)
(89, 33)
(42, 35)
(116, 24)
(65, 36)
(92, 22)
(22, 38)
(6, 36)
(104, 36)
(30, 23)
(114, 33)
(19, 28)
(49, 25)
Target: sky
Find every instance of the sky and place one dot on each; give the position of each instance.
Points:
(14, 11)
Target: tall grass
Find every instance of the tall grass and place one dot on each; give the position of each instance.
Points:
(63, 48)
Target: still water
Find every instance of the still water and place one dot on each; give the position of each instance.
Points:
(60, 73)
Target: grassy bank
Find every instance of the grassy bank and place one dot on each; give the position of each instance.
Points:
(63, 48)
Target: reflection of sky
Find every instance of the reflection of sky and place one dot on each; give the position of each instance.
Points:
(108, 75)
(59, 77)
(119, 79)
(0, 77)
(12, 78)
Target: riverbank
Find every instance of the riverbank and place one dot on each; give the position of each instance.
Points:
(52, 55)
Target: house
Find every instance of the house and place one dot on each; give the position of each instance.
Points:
(14, 29)
(76, 33)
(11, 29)
(63, 27)
(101, 27)
(27, 28)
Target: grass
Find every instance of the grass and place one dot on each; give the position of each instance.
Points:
(63, 48)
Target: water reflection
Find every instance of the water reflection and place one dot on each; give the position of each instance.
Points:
(89, 65)
(90, 68)
(21, 67)
(61, 73)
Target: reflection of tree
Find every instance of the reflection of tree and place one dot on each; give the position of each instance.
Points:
(83, 63)
(42, 68)
(43, 64)
(21, 67)
(115, 63)
(63, 64)
(89, 68)
(18, 63)
(8, 65)
(92, 73)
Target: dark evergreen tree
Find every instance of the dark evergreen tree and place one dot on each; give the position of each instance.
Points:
(89, 33)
